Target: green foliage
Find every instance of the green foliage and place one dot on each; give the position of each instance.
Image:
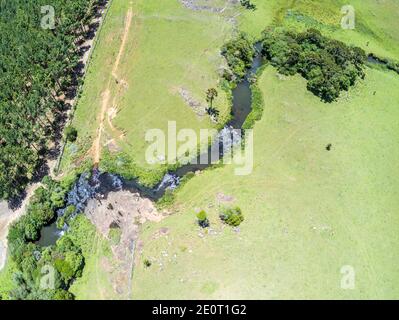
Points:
(37, 66)
(330, 66)
(248, 4)
(83, 233)
(71, 134)
(201, 216)
(232, 216)
(124, 166)
(258, 105)
(6, 279)
(167, 199)
(147, 263)
(61, 294)
(64, 219)
(66, 257)
(203, 219)
(239, 54)
(211, 94)
(40, 212)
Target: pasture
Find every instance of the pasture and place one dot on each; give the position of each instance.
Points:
(308, 211)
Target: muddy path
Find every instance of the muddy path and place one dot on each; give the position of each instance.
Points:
(106, 108)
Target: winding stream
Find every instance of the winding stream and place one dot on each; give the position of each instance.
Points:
(98, 185)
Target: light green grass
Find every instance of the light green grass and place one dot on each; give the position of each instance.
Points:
(6, 280)
(169, 47)
(376, 22)
(308, 212)
(95, 282)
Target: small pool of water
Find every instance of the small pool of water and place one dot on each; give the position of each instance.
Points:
(49, 235)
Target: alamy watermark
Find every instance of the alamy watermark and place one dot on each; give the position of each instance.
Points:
(348, 277)
(348, 21)
(47, 280)
(179, 146)
(48, 19)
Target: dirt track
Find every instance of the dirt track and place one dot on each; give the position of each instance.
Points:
(96, 149)
(7, 217)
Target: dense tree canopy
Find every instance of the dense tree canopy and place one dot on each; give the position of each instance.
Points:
(37, 67)
(239, 53)
(65, 260)
(330, 66)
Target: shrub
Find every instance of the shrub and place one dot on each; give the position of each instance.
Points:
(248, 4)
(239, 54)
(64, 219)
(232, 216)
(147, 263)
(203, 219)
(71, 134)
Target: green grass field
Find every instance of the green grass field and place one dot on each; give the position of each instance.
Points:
(6, 280)
(169, 46)
(308, 211)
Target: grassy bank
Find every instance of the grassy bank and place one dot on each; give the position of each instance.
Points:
(308, 212)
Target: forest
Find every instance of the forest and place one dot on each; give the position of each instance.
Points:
(40, 69)
(65, 258)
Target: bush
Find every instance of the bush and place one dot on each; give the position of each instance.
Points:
(232, 216)
(64, 219)
(248, 4)
(203, 219)
(71, 134)
(239, 54)
(147, 263)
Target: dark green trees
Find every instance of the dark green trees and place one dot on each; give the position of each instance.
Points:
(71, 134)
(38, 67)
(63, 262)
(330, 66)
(239, 53)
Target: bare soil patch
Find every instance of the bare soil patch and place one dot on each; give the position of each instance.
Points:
(123, 213)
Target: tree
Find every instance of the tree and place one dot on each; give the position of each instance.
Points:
(232, 216)
(37, 66)
(239, 53)
(248, 4)
(211, 94)
(71, 134)
(203, 219)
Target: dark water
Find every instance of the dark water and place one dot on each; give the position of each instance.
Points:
(98, 185)
(375, 60)
(242, 106)
(49, 235)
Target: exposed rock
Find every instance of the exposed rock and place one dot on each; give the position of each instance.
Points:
(221, 197)
(198, 108)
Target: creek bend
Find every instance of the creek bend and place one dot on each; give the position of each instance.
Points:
(99, 184)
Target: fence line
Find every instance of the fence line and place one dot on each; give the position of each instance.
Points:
(80, 87)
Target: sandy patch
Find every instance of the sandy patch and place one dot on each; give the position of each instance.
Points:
(125, 212)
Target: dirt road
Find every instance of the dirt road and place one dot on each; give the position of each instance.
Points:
(105, 107)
